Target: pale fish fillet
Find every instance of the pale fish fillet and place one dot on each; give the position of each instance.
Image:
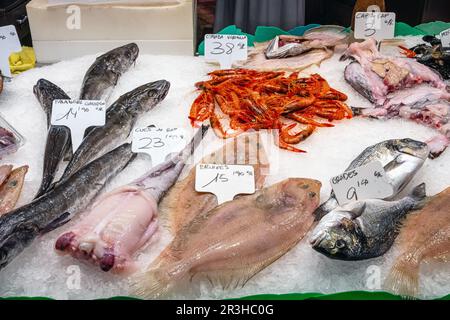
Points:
(5, 170)
(257, 60)
(231, 243)
(424, 236)
(11, 189)
(183, 203)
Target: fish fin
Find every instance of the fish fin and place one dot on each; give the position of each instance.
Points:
(419, 195)
(356, 208)
(58, 222)
(404, 278)
(325, 208)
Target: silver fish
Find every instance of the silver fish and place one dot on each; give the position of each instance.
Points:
(18, 228)
(364, 229)
(401, 159)
(120, 119)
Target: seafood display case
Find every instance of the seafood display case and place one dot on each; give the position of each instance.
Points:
(308, 163)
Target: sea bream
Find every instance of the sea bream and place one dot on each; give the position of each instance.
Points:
(18, 228)
(364, 229)
(231, 243)
(120, 119)
(123, 220)
(401, 159)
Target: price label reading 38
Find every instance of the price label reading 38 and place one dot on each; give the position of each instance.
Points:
(225, 48)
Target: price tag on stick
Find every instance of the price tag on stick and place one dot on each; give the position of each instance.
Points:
(377, 25)
(9, 43)
(365, 182)
(158, 142)
(445, 38)
(225, 48)
(78, 115)
(225, 181)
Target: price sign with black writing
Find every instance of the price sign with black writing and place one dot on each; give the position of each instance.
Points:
(377, 25)
(225, 181)
(225, 48)
(9, 43)
(445, 38)
(365, 182)
(158, 142)
(78, 115)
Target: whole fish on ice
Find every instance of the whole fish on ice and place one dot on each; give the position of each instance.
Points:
(401, 159)
(11, 188)
(123, 220)
(18, 228)
(364, 229)
(424, 236)
(236, 240)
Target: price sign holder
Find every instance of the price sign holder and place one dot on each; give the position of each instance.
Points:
(78, 115)
(9, 43)
(445, 38)
(377, 25)
(225, 48)
(365, 182)
(158, 142)
(224, 181)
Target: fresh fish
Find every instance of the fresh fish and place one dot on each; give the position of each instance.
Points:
(183, 203)
(5, 170)
(122, 221)
(11, 189)
(401, 159)
(58, 141)
(103, 74)
(120, 119)
(236, 240)
(8, 142)
(433, 55)
(364, 229)
(18, 228)
(424, 236)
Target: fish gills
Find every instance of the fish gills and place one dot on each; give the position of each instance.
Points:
(424, 236)
(11, 189)
(231, 243)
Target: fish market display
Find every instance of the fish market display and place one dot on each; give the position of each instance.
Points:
(58, 141)
(11, 188)
(120, 119)
(103, 74)
(401, 159)
(231, 243)
(253, 100)
(18, 228)
(123, 220)
(364, 229)
(424, 236)
(182, 204)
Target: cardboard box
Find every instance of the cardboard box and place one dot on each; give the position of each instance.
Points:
(71, 30)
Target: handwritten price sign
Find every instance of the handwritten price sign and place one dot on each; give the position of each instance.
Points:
(78, 115)
(377, 25)
(158, 142)
(225, 181)
(445, 38)
(9, 43)
(365, 182)
(225, 48)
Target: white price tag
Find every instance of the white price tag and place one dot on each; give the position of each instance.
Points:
(225, 181)
(377, 25)
(9, 43)
(445, 38)
(365, 182)
(78, 115)
(158, 142)
(225, 48)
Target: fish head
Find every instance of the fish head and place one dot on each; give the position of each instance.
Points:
(13, 239)
(337, 237)
(412, 147)
(122, 58)
(149, 94)
(46, 91)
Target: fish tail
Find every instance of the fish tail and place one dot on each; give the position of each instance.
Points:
(404, 278)
(419, 196)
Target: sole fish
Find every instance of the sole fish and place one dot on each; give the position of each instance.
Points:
(183, 203)
(424, 236)
(11, 189)
(231, 243)
(120, 119)
(18, 228)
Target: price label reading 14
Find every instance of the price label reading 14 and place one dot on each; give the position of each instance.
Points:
(365, 182)
(377, 25)
(225, 48)
(225, 181)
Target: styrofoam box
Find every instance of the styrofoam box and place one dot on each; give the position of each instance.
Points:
(160, 27)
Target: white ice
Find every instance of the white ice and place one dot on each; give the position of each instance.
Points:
(39, 271)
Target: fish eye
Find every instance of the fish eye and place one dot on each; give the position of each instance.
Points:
(340, 244)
